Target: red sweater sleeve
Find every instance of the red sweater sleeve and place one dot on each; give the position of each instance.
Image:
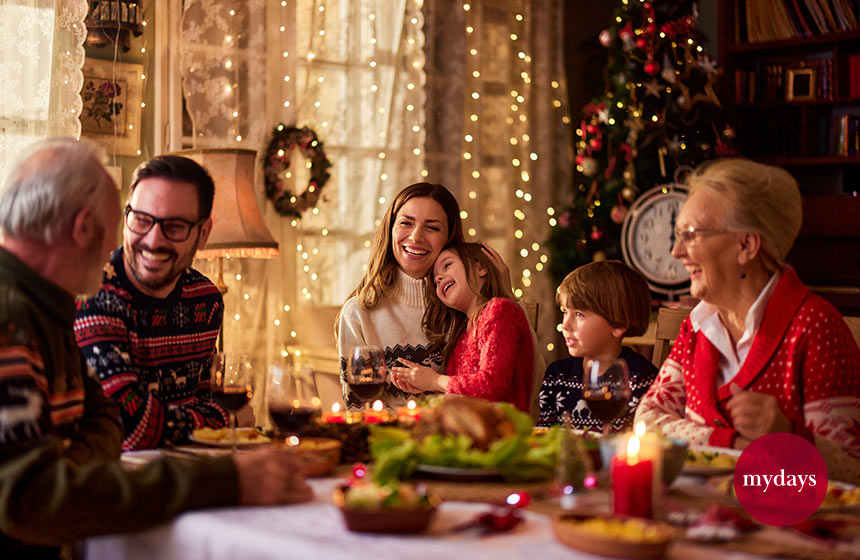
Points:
(495, 339)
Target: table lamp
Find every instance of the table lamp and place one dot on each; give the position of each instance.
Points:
(238, 228)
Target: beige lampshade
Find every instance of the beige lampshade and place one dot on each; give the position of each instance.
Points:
(238, 228)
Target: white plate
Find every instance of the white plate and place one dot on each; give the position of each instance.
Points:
(227, 442)
(458, 474)
(702, 470)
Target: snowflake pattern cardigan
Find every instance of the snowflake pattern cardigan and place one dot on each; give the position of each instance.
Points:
(494, 359)
(152, 355)
(803, 354)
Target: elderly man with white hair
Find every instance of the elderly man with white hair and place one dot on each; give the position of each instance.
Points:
(60, 436)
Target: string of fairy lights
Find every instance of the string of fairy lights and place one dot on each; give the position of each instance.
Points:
(307, 101)
(532, 256)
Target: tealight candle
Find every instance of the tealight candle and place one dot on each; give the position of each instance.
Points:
(376, 414)
(632, 482)
(335, 416)
(409, 413)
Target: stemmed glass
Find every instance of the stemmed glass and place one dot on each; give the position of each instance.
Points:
(367, 373)
(232, 384)
(292, 399)
(606, 390)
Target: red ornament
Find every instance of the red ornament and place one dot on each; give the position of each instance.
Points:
(579, 159)
(652, 68)
(595, 143)
(596, 234)
(626, 31)
(651, 28)
(592, 129)
(642, 42)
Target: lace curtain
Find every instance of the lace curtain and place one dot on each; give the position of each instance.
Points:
(352, 71)
(41, 42)
(498, 130)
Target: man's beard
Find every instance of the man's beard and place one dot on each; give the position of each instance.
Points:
(157, 283)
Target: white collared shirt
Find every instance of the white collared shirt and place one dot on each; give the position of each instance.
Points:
(705, 317)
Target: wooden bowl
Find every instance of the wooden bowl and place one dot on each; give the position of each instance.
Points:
(318, 455)
(382, 520)
(582, 539)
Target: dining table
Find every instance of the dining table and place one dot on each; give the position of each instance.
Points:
(316, 530)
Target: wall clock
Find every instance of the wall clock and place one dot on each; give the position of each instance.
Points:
(648, 235)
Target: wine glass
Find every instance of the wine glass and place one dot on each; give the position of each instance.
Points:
(606, 390)
(232, 384)
(292, 398)
(367, 373)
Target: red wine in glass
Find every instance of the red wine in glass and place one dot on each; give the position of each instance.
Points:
(604, 406)
(367, 392)
(367, 372)
(291, 419)
(231, 398)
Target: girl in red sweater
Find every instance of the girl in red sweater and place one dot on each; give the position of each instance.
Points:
(485, 337)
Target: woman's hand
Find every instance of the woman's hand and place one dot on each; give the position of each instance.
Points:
(755, 414)
(415, 378)
(503, 269)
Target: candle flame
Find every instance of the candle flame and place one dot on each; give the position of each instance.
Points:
(411, 405)
(316, 402)
(378, 406)
(633, 450)
(292, 441)
(335, 407)
(639, 429)
(296, 403)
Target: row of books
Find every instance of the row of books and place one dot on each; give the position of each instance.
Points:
(774, 82)
(854, 76)
(839, 135)
(772, 20)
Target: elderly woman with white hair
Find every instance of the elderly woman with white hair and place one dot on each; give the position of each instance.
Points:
(759, 354)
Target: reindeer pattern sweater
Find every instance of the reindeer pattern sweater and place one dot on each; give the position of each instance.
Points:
(152, 355)
(803, 354)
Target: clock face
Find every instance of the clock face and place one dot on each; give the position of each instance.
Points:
(649, 236)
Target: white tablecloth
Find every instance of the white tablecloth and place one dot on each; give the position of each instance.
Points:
(316, 530)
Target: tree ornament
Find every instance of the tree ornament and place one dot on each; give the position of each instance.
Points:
(596, 234)
(580, 158)
(605, 38)
(652, 68)
(599, 256)
(567, 219)
(629, 194)
(595, 143)
(642, 42)
(617, 213)
(590, 167)
(276, 163)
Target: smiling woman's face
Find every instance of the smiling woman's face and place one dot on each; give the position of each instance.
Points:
(420, 231)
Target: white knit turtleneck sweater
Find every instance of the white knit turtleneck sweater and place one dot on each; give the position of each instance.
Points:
(395, 326)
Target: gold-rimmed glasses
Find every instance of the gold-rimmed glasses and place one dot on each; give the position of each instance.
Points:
(689, 234)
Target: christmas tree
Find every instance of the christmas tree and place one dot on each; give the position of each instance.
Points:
(658, 111)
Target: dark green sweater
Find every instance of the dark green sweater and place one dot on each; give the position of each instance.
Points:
(60, 436)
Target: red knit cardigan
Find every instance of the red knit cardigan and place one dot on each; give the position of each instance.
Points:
(803, 354)
(494, 359)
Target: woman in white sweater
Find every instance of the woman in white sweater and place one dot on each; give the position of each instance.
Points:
(386, 308)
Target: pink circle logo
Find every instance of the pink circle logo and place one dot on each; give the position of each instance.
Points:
(781, 479)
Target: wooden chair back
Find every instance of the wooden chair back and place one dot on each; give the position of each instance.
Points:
(854, 327)
(669, 321)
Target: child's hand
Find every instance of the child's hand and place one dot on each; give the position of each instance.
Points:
(419, 378)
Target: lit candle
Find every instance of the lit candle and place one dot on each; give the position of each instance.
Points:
(376, 414)
(632, 482)
(409, 413)
(335, 416)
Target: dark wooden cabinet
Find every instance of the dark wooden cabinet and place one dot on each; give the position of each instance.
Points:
(791, 86)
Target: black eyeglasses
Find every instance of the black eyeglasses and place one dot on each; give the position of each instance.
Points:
(174, 229)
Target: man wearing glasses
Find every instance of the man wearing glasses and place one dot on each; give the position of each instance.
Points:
(150, 331)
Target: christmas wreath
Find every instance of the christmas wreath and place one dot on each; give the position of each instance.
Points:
(277, 163)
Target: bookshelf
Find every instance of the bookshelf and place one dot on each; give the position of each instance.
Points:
(791, 87)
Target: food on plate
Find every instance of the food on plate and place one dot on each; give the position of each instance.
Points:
(365, 494)
(712, 459)
(464, 432)
(627, 530)
(840, 495)
(224, 435)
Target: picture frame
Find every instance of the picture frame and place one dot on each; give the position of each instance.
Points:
(112, 93)
(800, 84)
